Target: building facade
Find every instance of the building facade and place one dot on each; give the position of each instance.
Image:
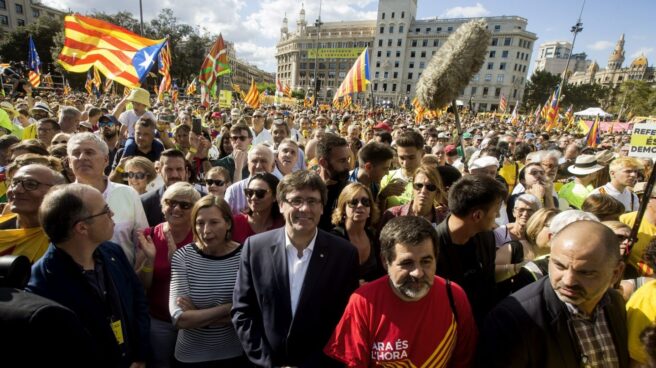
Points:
(19, 13)
(400, 48)
(614, 73)
(242, 72)
(552, 57)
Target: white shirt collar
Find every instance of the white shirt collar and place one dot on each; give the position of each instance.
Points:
(290, 246)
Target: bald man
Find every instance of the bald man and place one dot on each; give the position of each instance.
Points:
(570, 318)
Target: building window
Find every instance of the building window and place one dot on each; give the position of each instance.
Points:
(396, 64)
(401, 28)
(398, 53)
(35, 13)
(507, 41)
(497, 28)
(392, 15)
(423, 54)
(407, 88)
(411, 65)
(500, 78)
(402, 14)
(388, 53)
(409, 75)
(382, 29)
(436, 43)
(395, 75)
(378, 64)
(379, 53)
(422, 65)
(504, 54)
(382, 16)
(428, 30)
(439, 29)
(515, 67)
(375, 86)
(495, 41)
(449, 29)
(412, 54)
(386, 75)
(380, 43)
(19, 9)
(524, 69)
(399, 42)
(3, 4)
(476, 78)
(389, 43)
(20, 22)
(502, 66)
(4, 20)
(384, 87)
(414, 43)
(393, 87)
(515, 93)
(490, 66)
(377, 74)
(517, 56)
(493, 54)
(485, 91)
(473, 91)
(424, 43)
(488, 77)
(391, 29)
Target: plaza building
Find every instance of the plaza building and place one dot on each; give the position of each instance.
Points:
(19, 13)
(242, 72)
(400, 47)
(614, 73)
(552, 57)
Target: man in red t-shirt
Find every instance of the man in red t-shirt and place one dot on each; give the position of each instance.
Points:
(410, 318)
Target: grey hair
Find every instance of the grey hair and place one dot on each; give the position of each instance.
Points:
(565, 218)
(87, 137)
(539, 156)
(68, 112)
(261, 148)
(530, 200)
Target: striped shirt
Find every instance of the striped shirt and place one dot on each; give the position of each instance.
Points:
(208, 281)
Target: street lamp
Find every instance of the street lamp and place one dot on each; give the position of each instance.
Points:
(578, 27)
(317, 26)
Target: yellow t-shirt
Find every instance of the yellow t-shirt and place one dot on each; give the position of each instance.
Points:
(510, 172)
(640, 313)
(645, 233)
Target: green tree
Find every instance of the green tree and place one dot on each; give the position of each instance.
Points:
(539, 88)
(14, 45)
(584, 96)
(636, 97)
(269, 87)
(298, 93)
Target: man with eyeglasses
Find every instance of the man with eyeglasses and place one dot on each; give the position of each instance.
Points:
(20, 230)
(87, 273)
(88, 156)
(46, 129)
(260, 134)
(241, 138)
(294, 282)
(260, 160)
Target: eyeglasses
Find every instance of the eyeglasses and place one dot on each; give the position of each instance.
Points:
(420, 186)
(106, 211)
(135, 175)
(59, 142)
(524, 210)
(364, 201)
(259, 193)
(28, 184)
(239, 137)
(298, 202)
(183, 205)
(218, 183)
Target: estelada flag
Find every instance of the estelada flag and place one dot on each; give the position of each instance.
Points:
(115, 51)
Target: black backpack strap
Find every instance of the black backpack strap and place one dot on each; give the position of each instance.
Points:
(451, 302)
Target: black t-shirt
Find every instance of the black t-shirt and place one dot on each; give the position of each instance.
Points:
(334, 191)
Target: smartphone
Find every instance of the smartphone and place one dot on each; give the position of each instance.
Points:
(196, 126)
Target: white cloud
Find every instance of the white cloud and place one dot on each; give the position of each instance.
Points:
(642, 50)
(477, 10)
(601, 45)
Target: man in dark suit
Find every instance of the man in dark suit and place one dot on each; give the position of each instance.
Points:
(293, 283)
(572, 318)
(172, 168)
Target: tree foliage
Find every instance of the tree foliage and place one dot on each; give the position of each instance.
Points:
(539, 88)
(14, 45)
(634, 97)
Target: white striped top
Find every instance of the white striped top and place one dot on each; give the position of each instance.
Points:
(208, 281)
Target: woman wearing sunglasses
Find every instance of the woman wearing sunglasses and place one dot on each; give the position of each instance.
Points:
(354, 217)
(157, 245)
(217, 180)
(262, 213)
(428, 198)
(139, 173)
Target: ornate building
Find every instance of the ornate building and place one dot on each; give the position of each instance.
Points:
(400, 47)
(614, 73)
(19, 13)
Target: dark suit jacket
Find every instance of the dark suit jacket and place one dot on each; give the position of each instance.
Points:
(530, 329)
(152, 205)
(261, 310)
(56, 276)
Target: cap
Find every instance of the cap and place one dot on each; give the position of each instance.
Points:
(235, 112)
(86, 124)
(450, 150)
(484, 161)
(216, 115)
(108, 118)
(383, 126)
(466, 135)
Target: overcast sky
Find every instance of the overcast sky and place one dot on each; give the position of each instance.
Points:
(254, 26)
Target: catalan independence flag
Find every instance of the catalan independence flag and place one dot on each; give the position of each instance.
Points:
(253, 96)
(118, 53)
(552, 113)
(593, 138)
(357, 78)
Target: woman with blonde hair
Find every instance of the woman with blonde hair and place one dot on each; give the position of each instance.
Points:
(139, 174)
(354, 216)
(203, 276)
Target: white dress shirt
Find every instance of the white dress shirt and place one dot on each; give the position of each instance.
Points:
(297, 268)
(235, 196)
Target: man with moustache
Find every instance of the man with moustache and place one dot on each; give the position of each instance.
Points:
(411, 317)
(333, 155)
(571, 318)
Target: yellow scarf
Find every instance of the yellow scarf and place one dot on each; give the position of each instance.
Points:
(32, 242)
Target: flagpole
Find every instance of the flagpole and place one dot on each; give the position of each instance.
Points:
(317, 25)
(141, 16)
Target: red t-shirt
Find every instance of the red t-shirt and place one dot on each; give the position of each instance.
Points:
(158, 293)
(241, 229)
(378, 329)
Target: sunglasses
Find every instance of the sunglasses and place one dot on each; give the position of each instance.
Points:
(420, 186)
(353, 203)
(105, 123)
(59, 142)
(134, 175)
(183, 205)
(218, 183)
(239, 137)
(259, 193)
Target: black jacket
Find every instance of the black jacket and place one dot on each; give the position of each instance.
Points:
(530, 329)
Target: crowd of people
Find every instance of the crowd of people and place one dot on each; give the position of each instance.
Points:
(180, 235)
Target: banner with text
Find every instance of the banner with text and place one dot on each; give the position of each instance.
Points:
(337, 53)
(643, 141)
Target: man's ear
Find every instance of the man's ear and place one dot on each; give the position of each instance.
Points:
(322, 162)
(477, 215)
(368, 166)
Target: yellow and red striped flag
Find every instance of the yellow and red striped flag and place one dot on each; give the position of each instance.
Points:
(33, 78)
(253, 96)
(47, 80)
(164, 70)
(503, 104)
(593, 138)
(287, 91)
(67, 88)
(357, 78)
(96, 79)
(191, 88)
(112, 49)
(108, 85)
